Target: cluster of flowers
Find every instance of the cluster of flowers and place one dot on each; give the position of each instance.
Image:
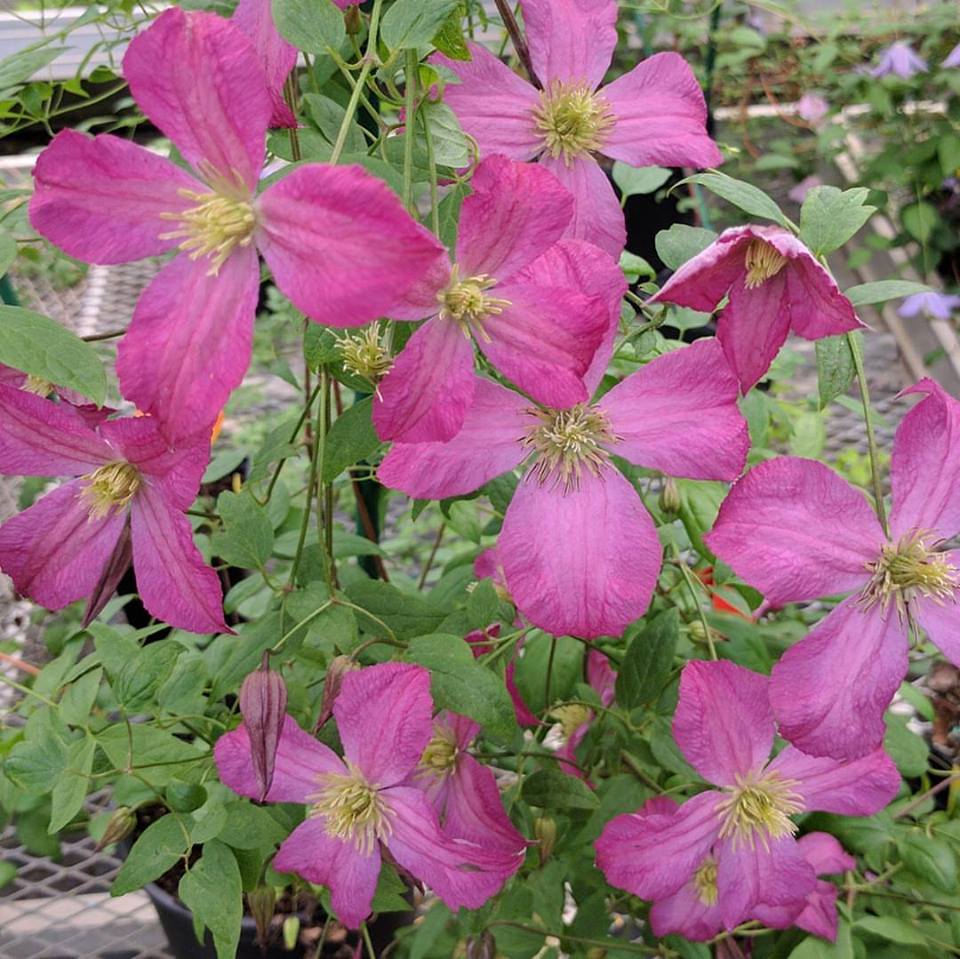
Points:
(533, 284)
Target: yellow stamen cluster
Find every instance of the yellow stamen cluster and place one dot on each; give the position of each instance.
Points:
(759, 808)
(352, 808)
(440, 757)
(762, 261)
(568, 441)
(571, 717)
(467, 302)
(909, 569)
(366, 355)
(705, 882)
(38, 386)
(573, 120)
(110, 487)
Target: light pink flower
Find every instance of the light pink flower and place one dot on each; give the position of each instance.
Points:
(732, 848)
(368, 800)
(774, 285)
(796, 531)
(654, 115)
(900, 59)
(953, 58)
(602, 679)
(125, 473)
(539, 333)
(812, 107)
(106, 200)
(580, 553)
(798, 193)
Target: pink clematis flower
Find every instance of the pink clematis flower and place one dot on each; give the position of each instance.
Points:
(574, 516)
(106, 200)
(653, 115)
(812, 107)
(901, 60)
(368, 801)
(93, 415)
(130, 490)
(774, 285)
(796, 531)
(541, 334)
(730, 851)
(577, 720)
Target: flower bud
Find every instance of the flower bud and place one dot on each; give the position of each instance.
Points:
(263, 702)
(338, 668)
(670, 496)
(483, 946)
(545, 832)
(119, 826)
(352, 20)
(262, 901)
(291, 932)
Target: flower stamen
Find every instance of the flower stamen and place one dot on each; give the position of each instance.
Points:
(573, 120)
(762, 261)
(705, 882)
(566, 442)
(352, 808)
(759, 808)
(110, 487)
(439, 759)
(467, 302)
(366, 355)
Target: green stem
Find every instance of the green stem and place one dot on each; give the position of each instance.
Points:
(315, 456)
(432, 165)
(366, 941)
(688, 579)
(323, 428)
(612, 944)
(412, 65)
(323, 607)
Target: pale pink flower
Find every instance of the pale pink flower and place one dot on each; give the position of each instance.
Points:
(901, 60)
(953, 58)
(812, 107)
(799, 192)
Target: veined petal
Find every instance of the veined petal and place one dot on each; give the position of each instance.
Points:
(102, 199)
(174, 583)
(825, 853)
(817, 307)
(563, 554)
(660, 115)
(300, 760)
(197, 77)
(383, 715)
(55, 551)
(189, 343)
(516, 212)
(941, 617)
(723, 723)
(428, 391)
(316, 230)
(684, 913)
(40, 438)
(830, 690)
(488, 444)
(679, 414)
(570, 40)
(795, 530)
(493, 104)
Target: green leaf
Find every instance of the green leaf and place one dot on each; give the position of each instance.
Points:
(746, 196)
(894, 930)
(8, 252)
(21, 66)
(648, 661)
(149, 746)
(212, 891)
(78, 700)
(816, 948)
(552, 789)
(71, 786)
(142, 675)
(829, 217)
(40, 346)
(328, 116)
(930, 859)
(312, 25)
(449, 38)
(37, 763)
(450, 146)
(681, 243)
(879, 291)
(250, 827)
(247, 538)
(157, 848)
(835, 370)
(634, 181)
(413, 23)
(459, 683)
(407, 614)
(390, 892)
(808, 435)
(920, 220)
(908, 750)
(351, 439)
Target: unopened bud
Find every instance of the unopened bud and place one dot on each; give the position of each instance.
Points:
(670, 496)
(352, 20)
(698, 634)
(262, 901)
(291, 932)
(113, 571)
(596, 952)
(119, 826)
(338, 668)
(483, 946)
(263, 702)
(545, 832)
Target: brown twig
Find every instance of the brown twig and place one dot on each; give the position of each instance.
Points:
(24, 667)
(923, 797)
(519, 42)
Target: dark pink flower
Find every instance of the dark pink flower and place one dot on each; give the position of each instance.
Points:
(106, 200)
(653, 115)
(796, 531)
(576, 720)
(368, 800)
(731, 850)
(539, 333)
(56, 551)
(93, 415)
(580, 553)
(774, 285)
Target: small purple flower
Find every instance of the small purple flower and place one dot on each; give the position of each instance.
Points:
(901, 59)
(812, 107)
(799, 193)
(930, 303)
(953, 58)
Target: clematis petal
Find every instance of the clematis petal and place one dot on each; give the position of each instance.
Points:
(316, 230)
(817, 307)
(925, 469)
(55, 551)
(545, 340)
(300, 760)
(684, 913)
(350, 875)
(102, 199)
(428, 391)
(563, 554)
(941, 617)
(597, 216)
(190, 341)
(383, 714)
(174, 582)
(516, 212)
(679, 414)
(654, 855)
(40, 438)
(493, 104)
(830, 690)
(570, 40)
(488, 444)
(858, 787)
(795, 530)
(197, 78)
(825, 853)
(661, 116)
(723, 723)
